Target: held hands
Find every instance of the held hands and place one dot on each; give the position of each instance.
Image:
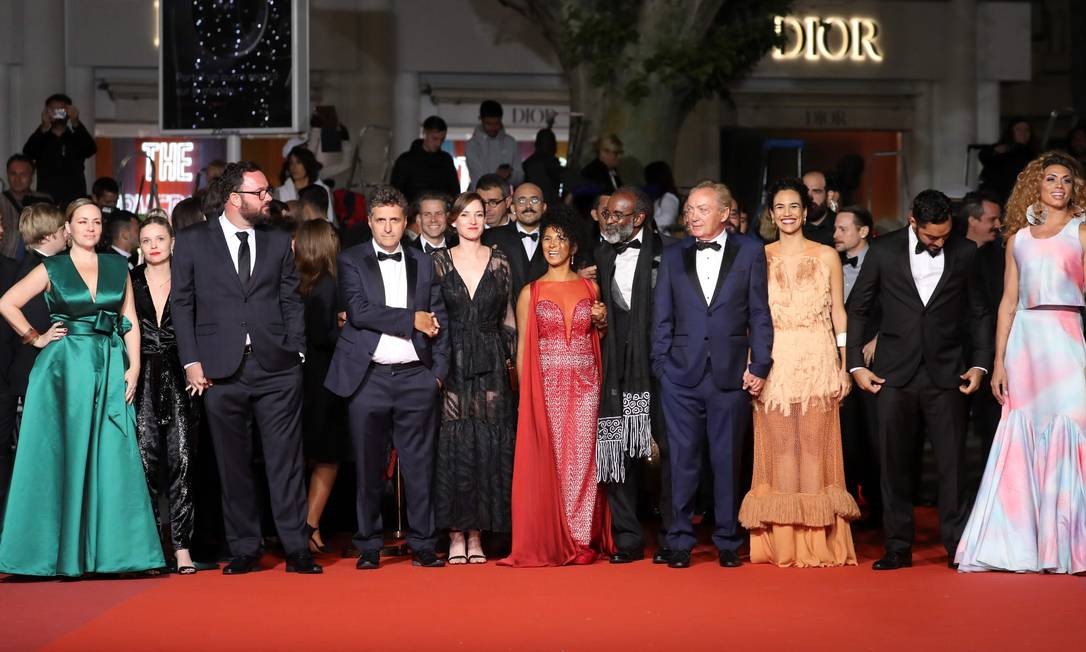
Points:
(599, 315)
(55, 332)
(426, 323)
(972, 380)
(868, 381)
(999, 384)
(131, 378)
(753, 384)
(197, 383)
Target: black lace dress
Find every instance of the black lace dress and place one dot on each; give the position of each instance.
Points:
(478, 421)
(167, 419)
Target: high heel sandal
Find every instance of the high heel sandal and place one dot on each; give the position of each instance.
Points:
(314, 547)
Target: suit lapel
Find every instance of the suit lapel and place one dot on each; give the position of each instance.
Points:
(690, 264)
(218, 242)
(375, 285)
(412, 277)
(731, 250)
(262, 258)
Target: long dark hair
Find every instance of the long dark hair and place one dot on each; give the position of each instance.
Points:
(316, 246)
(308, 160)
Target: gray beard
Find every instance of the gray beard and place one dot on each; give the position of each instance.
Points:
(619, 234)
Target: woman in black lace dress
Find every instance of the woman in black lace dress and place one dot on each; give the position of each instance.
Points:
(167, 423)
(478, 424)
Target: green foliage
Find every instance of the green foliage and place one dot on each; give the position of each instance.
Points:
(604, 35)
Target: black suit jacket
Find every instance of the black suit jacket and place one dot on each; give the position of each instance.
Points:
(212, 312)
(37, 313)
(955, 323)
(368, 317)
(8, 339)
(522, 271)
(451, 240)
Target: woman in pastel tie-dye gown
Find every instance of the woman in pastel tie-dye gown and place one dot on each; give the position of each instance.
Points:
(1030, 514)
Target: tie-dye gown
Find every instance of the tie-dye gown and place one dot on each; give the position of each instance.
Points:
(1030, 514)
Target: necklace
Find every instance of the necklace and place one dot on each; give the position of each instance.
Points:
(161, 285)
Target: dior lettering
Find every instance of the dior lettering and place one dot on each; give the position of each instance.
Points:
(831, 38)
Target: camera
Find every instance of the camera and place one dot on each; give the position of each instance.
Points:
(60, 114)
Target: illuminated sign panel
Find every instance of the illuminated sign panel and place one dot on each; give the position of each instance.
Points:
(831, 38)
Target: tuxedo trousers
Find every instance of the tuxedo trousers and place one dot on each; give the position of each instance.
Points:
(399, 407)
(274, 401)
(860, 447)
(904, 413)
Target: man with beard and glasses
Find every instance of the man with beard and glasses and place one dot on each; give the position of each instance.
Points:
(820, 222)
(496, 200)
(519, 240)
(630, 418)
(935, 346)
(241, 337)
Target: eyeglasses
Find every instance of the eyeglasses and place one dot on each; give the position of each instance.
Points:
(524, 201)
(494, 203)
(261, 193)
(615, 215)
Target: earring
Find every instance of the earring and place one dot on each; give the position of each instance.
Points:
(1033, 218)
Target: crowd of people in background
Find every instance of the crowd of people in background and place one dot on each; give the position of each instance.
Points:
(538, 363)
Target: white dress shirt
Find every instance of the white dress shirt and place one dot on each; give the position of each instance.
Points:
(127, 255)
(391, 349)
(708, 265)
(926, 269)
(530, 244)
(625, 266)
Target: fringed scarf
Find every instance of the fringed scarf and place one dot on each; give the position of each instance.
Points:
(624, 428)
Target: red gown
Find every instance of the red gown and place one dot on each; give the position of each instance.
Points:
(558, 511)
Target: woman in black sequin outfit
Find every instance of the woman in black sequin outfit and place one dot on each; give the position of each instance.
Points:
(166, 416)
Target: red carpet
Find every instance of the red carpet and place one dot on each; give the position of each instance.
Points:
(601, 607)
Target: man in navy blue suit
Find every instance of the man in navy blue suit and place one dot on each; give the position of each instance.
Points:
(390, 362)
(711, 349)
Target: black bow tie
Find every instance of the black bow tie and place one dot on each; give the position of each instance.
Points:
(853, 261)
(534, 236)
(398, 256)
(428, 248)
(702, 245)
(920, 247)
(623, 246)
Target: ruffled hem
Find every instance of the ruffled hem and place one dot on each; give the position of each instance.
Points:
(1030, 512)
(798, 546)
(762, 507)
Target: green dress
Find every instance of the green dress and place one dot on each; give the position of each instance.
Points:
(78, 501)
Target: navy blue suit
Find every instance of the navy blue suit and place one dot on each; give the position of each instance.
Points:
(699, 352)
(397, 403)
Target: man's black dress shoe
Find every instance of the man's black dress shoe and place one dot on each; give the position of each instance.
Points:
(893, 561)
(728, 559)
(427, 559)
(368, 560)
(661, 556)
(679, 559)
(950, 563)
(302, 563)
(626, 556)
(241, 565)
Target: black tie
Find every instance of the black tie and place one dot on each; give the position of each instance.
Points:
(623, 246)
(398, 256)
(920, 247)
(134, 259)
(426, 248)
(243, 258)
(853, 261)
(702, 245)
(534, 236)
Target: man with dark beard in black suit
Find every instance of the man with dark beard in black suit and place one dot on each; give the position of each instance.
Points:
(519, 240)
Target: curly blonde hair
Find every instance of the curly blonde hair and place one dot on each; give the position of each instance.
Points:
(1027, 190)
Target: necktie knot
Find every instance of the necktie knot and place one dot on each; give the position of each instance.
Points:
(531, 236)
(242, 235)
(850, 260)
(921, 247)
(381, 256)
(429, 248)
(702, 245)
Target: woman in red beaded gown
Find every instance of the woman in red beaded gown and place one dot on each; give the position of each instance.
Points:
(559, 515)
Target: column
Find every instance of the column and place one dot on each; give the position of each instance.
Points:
(955, 119)
(406, 120)
(80, 87)
(43, 60)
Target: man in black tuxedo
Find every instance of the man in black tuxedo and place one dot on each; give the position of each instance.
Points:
(519, 240)
(933, 312)
(390, 362)
(41, 226)
(630, 416)
(432, 214)
(241, 337)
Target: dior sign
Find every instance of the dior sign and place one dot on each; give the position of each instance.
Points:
(831, 38)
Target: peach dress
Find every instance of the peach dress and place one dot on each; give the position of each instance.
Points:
(797, 509)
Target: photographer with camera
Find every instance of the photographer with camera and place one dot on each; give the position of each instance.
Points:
(59, 147)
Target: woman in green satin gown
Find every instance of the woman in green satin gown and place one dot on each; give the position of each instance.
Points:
(78, 502)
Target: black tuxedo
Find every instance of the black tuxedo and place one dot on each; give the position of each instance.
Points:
(37, 313)
(984, 409)
(451, 240)
(522, 271)
(396, 402)
(9, 399)
(922, 351)
(212, 314)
